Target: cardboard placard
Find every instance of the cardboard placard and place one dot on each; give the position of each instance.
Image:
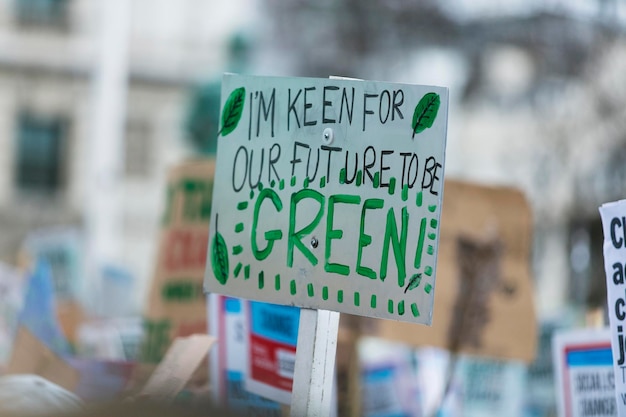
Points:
(583, 371)
(484, 301)
(177, 367)
(31, 356)
(328, 194)
(177, 305)
(614, 228)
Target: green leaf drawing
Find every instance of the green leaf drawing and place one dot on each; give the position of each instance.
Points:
(219, 257)
(413, 282)
(425, 112)
(231, 113)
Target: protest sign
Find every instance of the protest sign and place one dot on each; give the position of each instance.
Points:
(328, 194)
(39, 312)
(177, 367)
(62, 250)
(229, 324)
(272, 337)
(492, 388)
(176, 306)
(583, 371)
(614, 228)
(388, 381)
(484, 301)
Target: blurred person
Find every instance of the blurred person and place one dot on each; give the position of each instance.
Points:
(32, 395)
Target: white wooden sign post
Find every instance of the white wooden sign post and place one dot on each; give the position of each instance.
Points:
(327, 196)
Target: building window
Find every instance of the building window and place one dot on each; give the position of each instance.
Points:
(40, 142)
(52, 13)
(138, 150)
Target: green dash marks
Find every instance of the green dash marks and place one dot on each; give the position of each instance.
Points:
(432, 236)
(432, 208)
(428, 270)
(342, 176)
(359, 178)
(242, 205)
(251, 194)
(340, 296)
(392, 185)
(418, 199)
(415, 310)
(430, 250)
(293, 181)
(238, 269)
(433, 223)
(310, 290)
(390, 306)
(261, 280)
(237, 249)
(239, 228)
(401, 308)
(322, 182)
(281, 184)
(405, 192)
(273, 183)
(373, 301)
(357, 298)
(246, 272)
(292, 286)
(277, 282)
(376, 179)
(428, 288)
(305, 183)
(325, 293)
(420, 244)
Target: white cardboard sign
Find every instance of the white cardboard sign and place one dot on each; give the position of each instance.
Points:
(583, 373)
(614, 228)
(328, 194)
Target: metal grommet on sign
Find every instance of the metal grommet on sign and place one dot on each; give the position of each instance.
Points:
(328, 136)
(314, 242)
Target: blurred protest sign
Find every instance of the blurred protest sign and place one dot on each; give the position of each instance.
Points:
(230, 324)
(484, 300)
(31, 356)
(492, 388)
(12, 294)
(176, 305)
(388, 382)
(62, 250)
(583, 371)
(181, 360)
(271, 354)
(39, 314)
(614, 228)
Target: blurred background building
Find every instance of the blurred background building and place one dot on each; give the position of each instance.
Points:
(64, 85)
(98, 98)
